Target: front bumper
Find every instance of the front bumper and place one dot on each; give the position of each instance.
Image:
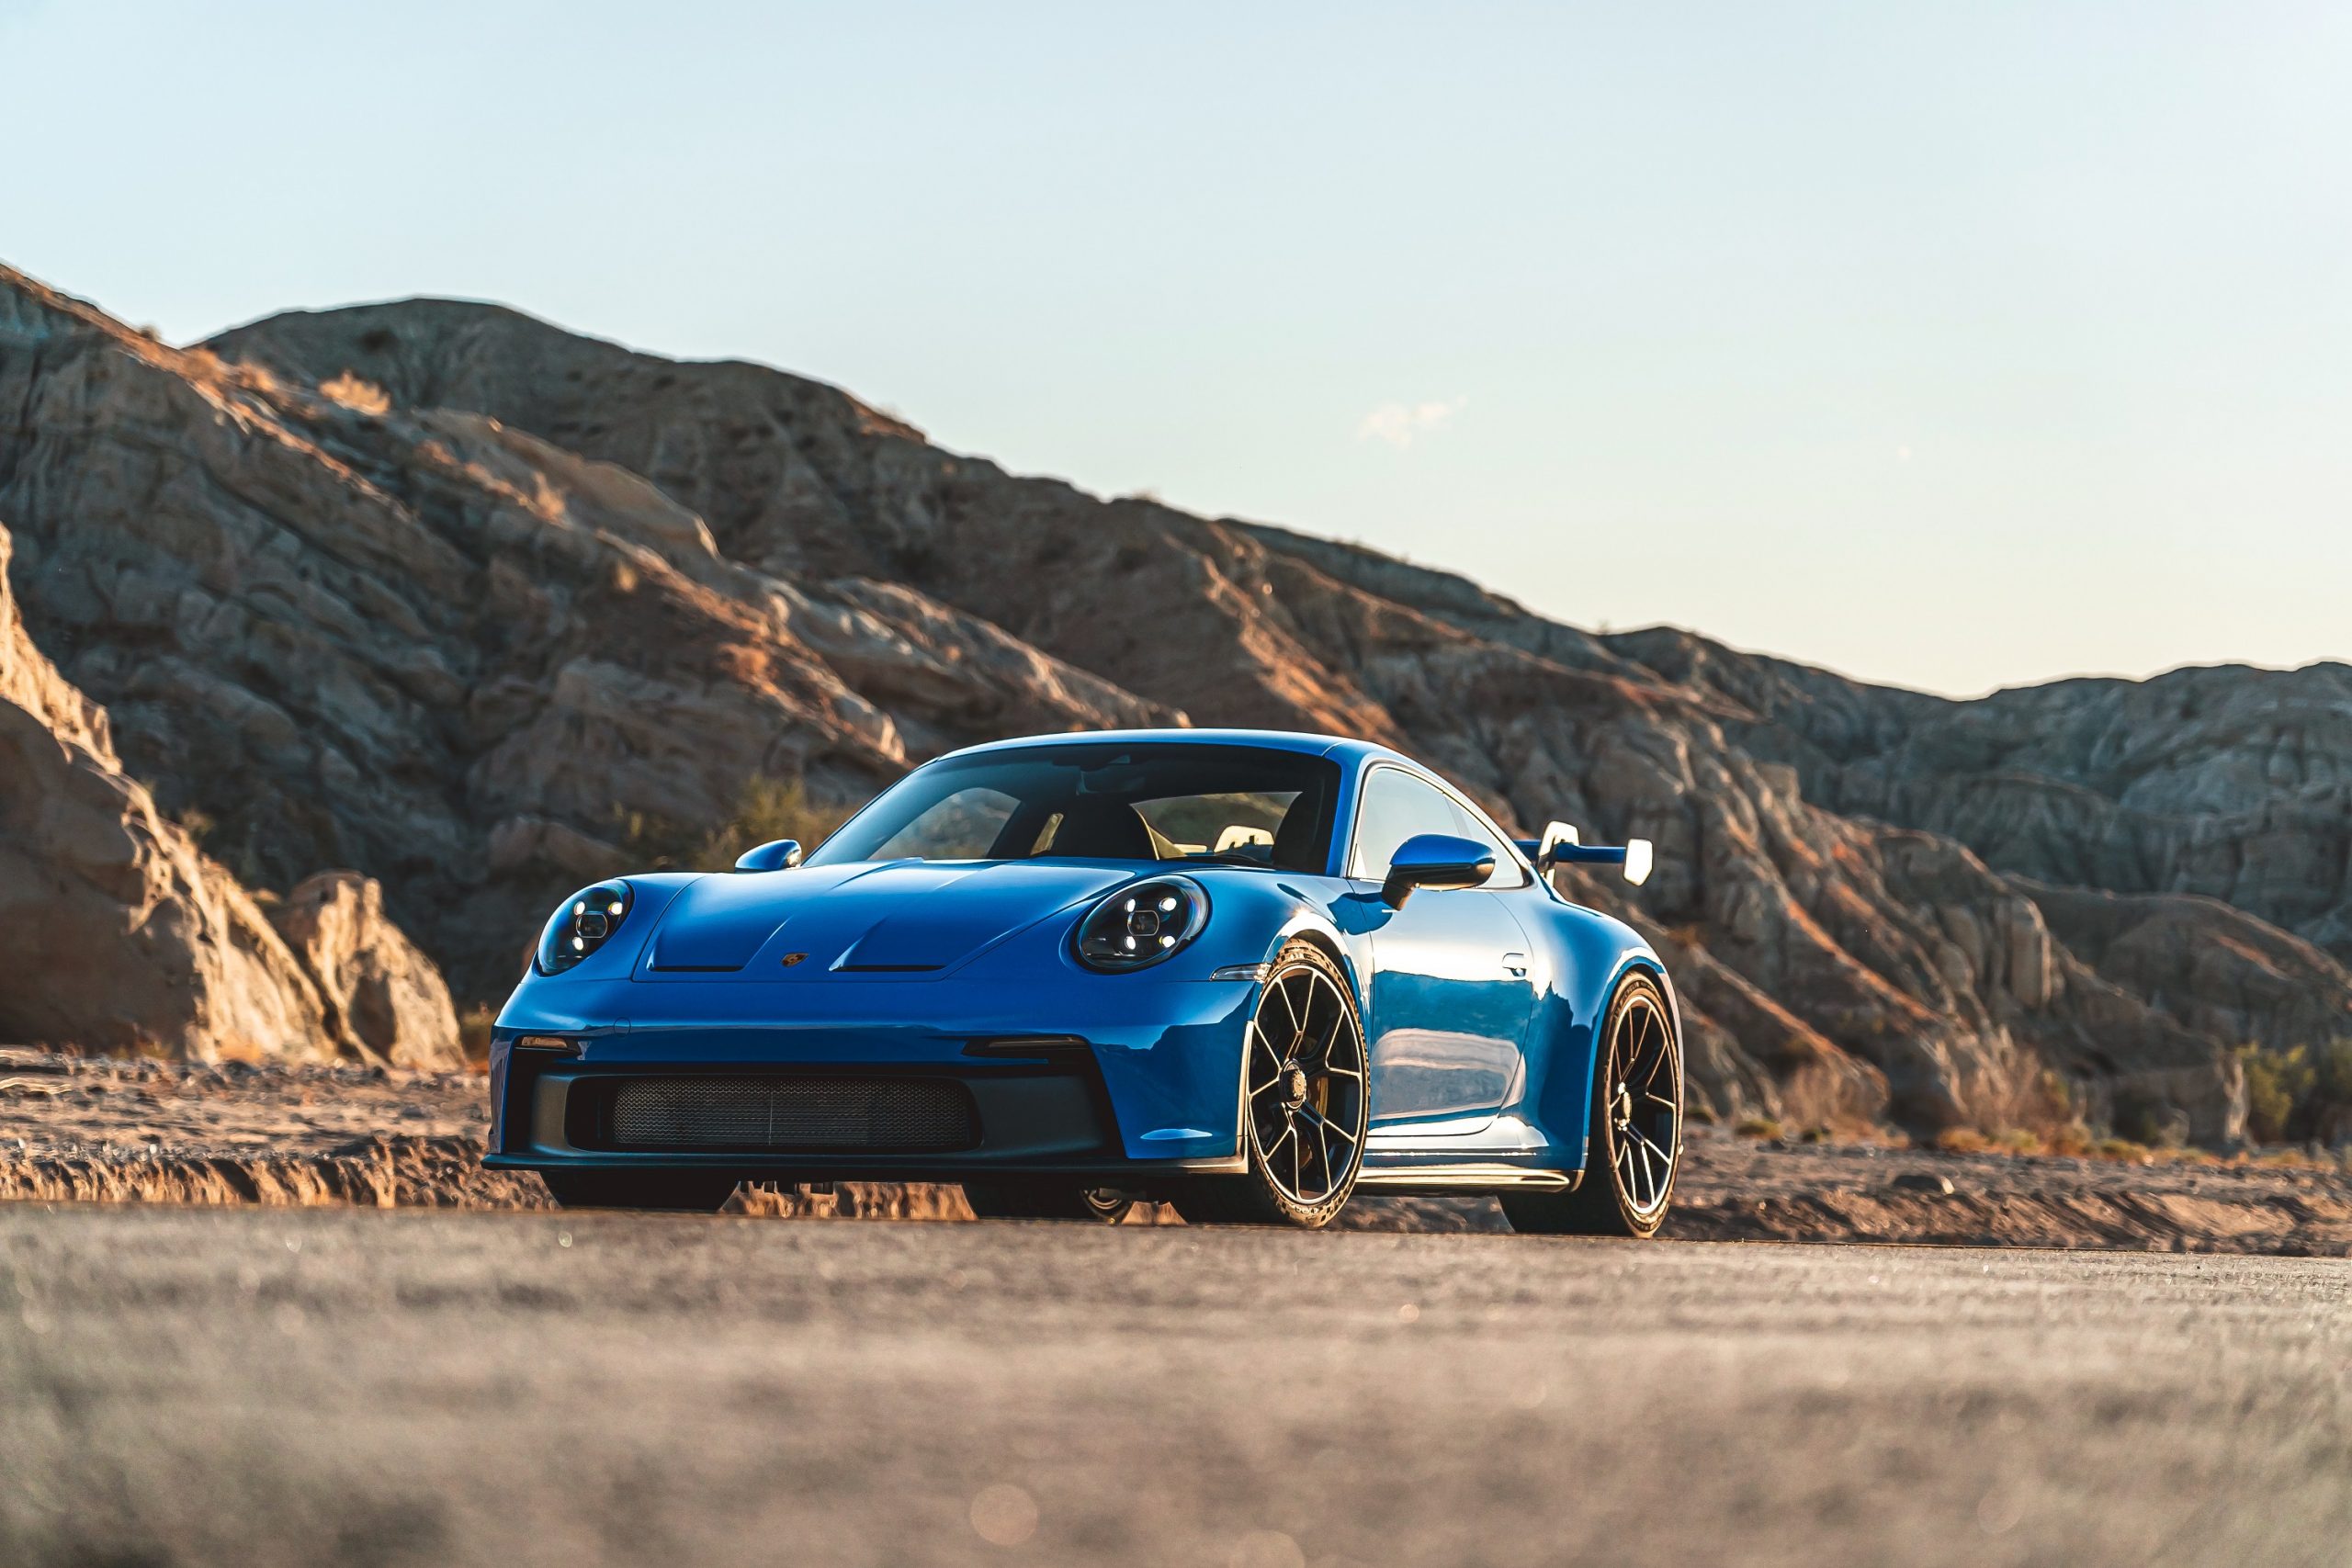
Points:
(1126, 1081)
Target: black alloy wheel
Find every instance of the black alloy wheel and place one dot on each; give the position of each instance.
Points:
(1027, 1199)
(1305, 1103)
(1634, 1139)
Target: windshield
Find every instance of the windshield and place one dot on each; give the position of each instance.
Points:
(1235, 805)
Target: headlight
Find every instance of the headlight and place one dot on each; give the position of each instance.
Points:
(585, 923)
(1142, 924)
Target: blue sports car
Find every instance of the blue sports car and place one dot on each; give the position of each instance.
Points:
(1248, 974)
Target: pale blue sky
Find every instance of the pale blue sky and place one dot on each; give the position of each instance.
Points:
(1949, 345)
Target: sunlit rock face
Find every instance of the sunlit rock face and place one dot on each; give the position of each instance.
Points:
(452, 596)
(350, 633)
(382, 994)
(120, 935)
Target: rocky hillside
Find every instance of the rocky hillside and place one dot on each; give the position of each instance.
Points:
(123, 936)
(482, 608)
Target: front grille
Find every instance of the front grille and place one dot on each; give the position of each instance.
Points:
(877, 1114)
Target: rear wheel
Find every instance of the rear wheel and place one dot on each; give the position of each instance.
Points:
(683, 1191)
(1305, 1107)
(1046, 1200)
(1635, 1138)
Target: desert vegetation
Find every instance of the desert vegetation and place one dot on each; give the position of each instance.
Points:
(2299, 1095)
(764, 810)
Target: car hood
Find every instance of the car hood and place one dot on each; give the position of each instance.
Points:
(900, 916)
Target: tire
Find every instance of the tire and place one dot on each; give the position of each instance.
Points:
(1633, 1147)
(1304, 1075)
(1029, 1198)
(686, 1191)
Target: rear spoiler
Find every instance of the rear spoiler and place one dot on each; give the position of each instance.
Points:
(1558, 846)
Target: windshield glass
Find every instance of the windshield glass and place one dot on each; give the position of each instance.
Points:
(1236, 805)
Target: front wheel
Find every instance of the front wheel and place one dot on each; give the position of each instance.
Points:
(1306, 1108)
(1634, 1140)
(1033, 1200)
(686, 1191)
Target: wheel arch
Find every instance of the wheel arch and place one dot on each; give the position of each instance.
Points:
(1310, 925)
(1315, 936)
(1341, 981)
(1564, 1036)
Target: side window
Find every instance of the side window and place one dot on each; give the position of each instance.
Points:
(1396, 806)
(1507, 869)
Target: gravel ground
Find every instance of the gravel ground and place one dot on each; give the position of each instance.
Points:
(256, 1386)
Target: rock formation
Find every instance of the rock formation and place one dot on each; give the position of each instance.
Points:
(123, 936)
(120, 934)
(379, 990)
(485, 609)
(2227, 783)
(354, 634)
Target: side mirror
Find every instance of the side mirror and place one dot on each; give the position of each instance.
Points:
(1438, 862)
(781, 855)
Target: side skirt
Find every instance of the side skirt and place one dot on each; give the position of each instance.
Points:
(1433, 1181)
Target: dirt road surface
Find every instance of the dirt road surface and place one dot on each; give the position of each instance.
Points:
(339, 1386)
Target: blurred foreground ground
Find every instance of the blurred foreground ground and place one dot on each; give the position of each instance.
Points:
(159, 1132)
(260, 1387)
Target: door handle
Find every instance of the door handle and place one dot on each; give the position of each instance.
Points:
(1517, 963)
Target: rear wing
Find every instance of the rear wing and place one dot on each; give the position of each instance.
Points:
(1558, 846)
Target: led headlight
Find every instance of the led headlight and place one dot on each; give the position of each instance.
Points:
(585, 923)
(1142, 924)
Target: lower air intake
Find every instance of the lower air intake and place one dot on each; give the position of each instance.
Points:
(801, 1114)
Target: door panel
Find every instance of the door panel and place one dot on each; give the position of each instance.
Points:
(1450, 996)
(1448, 1016)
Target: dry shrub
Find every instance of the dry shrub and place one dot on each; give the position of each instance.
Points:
(473, 1032)
(2073, 1138)
(2142, 1118)
(1758, 1127)
(2122, 1149)
(767, 809)
(360, 397)
(2296, 1093)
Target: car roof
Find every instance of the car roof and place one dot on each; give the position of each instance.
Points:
(1339, 748)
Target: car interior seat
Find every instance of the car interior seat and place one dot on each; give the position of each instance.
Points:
(1095, 829)
(1296, 840)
